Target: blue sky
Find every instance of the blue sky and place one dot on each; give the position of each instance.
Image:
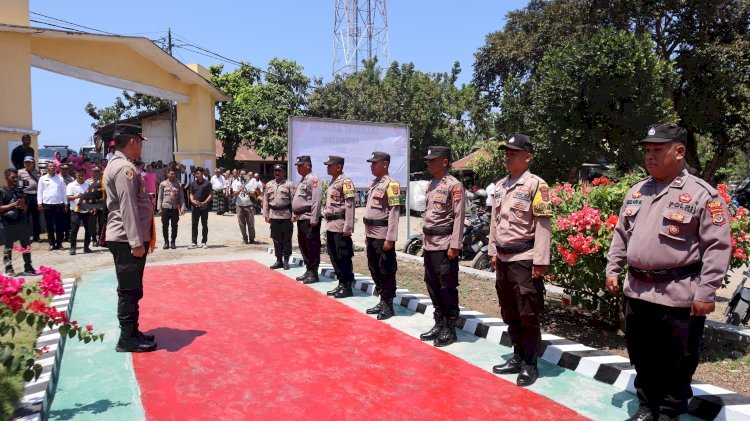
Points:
(431, 34)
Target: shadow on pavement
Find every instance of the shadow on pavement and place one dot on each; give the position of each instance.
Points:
(95, 408)
(173, 340)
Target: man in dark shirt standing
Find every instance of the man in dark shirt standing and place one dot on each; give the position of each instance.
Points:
(22, 151)
(201, 195)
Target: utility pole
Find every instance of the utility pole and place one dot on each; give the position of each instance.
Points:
(360, 30)
(172, 104)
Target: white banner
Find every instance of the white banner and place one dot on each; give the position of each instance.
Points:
(355, 141)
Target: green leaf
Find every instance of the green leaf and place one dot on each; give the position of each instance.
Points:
(30, 319)
(28, 375)
(86, 340)
(63, 329)
(20, 316)
(71, 333)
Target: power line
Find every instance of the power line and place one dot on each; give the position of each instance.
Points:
(72, 23)
(56, 26)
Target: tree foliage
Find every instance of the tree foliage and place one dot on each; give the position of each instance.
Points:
(127, 106)
(437, 111)
(262, 101)
(706, 41)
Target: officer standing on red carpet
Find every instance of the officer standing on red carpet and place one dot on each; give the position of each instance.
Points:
(339, 215)
(130, 234)
(519, 246)
(674, 235)
(277, 210)
(443, 229)
(381, 232)
(306, 209)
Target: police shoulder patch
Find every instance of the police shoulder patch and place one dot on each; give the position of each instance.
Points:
(129, 173)
(541, 205)
(348, 189)
(394, 193)
(458, 193)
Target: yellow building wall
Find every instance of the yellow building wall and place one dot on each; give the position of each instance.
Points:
(15, 92)
(196, 129)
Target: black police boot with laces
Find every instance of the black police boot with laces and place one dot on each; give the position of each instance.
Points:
(147, 336)
(286, 263)
(386, 311)
(277, 265)
(376, 309)
(528, 375)
(344, 292)
(512, 366)
(447, 334)
(643, 413)
(311, 278)
(433, 333)
(303, 276)
(130, 342)
(334, 291)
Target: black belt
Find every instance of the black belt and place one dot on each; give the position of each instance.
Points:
(281, 208)
(375, 222)
(516, 248)
(300, 211)
(335, 216)
(666, 275)
(438, 230)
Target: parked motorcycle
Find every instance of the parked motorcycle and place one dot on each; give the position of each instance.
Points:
(475, 237)
(738, 309)
(482, 260)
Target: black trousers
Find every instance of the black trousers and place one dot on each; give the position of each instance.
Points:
(664, 345)
(54, 217)
(76, 220)
(169, 217)
(341, 251)
(202, 214)
(383, 268)
(308, 238)
(521, 300)
(281, 234)
(98, 223)
(33, 216)
(12, 232)
(66, 221)
(441, 277)
(129, 270)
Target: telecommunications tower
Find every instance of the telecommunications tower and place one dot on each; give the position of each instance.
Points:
(360, 32)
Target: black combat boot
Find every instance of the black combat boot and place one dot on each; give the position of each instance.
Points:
(447, 334)
(344, 292)
(277, 265)
(432, 334)
(386, 311)
(286, 263)
(130, 342)
(528, 375)
(311, 278)
(173, 245)
(28, 269)
(644, 413)
(376, 309)
(303, 276)
(335, 290)
(147, 336)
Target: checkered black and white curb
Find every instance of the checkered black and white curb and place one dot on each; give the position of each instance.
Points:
(709, 402)
(37, 394)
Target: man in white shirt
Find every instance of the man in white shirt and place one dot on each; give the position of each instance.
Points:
(218, 183)
(186, 177)
(52, 200)
(78, 217)
(242, 189)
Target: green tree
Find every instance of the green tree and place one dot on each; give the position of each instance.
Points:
(593, 99)
(261, 104)
(127, 106)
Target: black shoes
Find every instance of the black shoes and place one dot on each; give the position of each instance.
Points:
(72, 251)
(376, 309)
(512, 366)
(87, 250)
(145, 336)
(433, 333)
(173, 245)
(334, 291)
(286, 264)
(643, 414)
(135, 344)
(277, 265)
(528, 375)
(28, 270)
(166, 246)
(344, 292)
(303, 276)
(447, 334)
(51, 247)
(311, 279)
(386, 311)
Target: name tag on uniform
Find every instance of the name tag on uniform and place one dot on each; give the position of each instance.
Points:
(440, 198)
(377, 193)
(525, 196)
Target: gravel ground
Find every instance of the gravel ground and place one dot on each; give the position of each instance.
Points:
(476, 293)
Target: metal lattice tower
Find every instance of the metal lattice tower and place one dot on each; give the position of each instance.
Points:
(360, 32)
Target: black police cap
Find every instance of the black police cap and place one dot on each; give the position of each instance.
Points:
(663, 133)
(333, 159)
(129, 130)
(438, 152)
(519, 142)
(302, 159)
(279, 167)
(379, 156)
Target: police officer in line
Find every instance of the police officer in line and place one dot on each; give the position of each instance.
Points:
(277, 210)
(519, 246)
(381, 232)
(130, 234)
(673, 233)
(339, 215)
(443, 228)
(306, 210)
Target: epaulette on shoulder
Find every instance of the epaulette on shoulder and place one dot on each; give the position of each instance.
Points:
(703, 183)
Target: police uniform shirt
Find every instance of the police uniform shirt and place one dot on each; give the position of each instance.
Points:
(308, 195)
(29, 179)
(383, 204)
(521, 212)
(671, 226)
(278, 195)
(340, 201)
(444, 208)
(169, 195)
(128, 202)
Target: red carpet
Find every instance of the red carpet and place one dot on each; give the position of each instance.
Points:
(239, 341)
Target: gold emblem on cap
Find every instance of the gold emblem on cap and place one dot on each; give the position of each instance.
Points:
(652, 132)
(512, 139)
